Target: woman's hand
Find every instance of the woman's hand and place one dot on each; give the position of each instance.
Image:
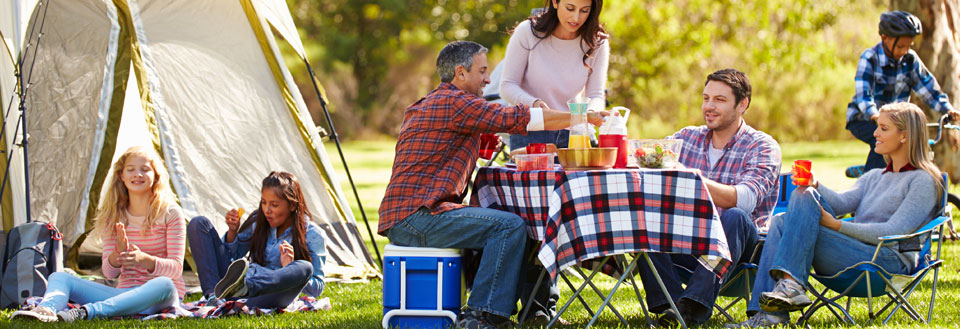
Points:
(828, 221)
(286, 253)
(596, 117)
(233, 224)
(540, 104)
(134, 257)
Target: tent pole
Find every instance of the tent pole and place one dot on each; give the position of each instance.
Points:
(336, 139)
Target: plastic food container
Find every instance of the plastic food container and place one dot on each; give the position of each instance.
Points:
(656, 153)
(528, 162)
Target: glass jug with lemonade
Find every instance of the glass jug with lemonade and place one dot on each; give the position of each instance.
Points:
(579, 126)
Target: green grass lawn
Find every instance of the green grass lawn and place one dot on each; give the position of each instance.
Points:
(358, 305)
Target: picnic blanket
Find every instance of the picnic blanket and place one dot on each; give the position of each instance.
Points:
(215, 308)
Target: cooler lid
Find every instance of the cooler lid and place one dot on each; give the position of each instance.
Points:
(392, 250)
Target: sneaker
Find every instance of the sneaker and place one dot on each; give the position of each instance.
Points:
(231, 285)
(669, 318)
(473, 319)
(39, 313)
(760, 320)
(541, 320)
(787, 296)
(71, 315)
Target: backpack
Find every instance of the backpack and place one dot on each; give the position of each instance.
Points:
(31, 253)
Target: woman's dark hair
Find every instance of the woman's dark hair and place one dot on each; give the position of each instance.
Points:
(288, 188)
(591, 33)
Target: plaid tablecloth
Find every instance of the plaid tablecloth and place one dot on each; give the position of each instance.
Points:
(579, 215)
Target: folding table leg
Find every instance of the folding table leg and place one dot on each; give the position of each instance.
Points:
(636, 290)
(577, 293)
(612, 291)
(664, 288)
(572, 288)
(600, 293)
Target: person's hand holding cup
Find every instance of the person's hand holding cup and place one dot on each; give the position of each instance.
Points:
(488, 145)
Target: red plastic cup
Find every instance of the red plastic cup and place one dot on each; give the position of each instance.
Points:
(620, 142)
(801, 172)
(488, 145)
(536, 148)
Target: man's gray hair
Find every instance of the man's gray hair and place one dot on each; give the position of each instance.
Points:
(457, 53)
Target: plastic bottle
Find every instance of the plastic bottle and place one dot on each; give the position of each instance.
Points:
(613, 133)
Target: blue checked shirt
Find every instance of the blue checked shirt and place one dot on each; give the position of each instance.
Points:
(879, 82)
(751, 159)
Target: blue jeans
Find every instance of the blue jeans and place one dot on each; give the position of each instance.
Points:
(863, 130)
(501, 235)
(561, 138)
(266, 288)
(703, 285)
(796, 241)
(104, 301)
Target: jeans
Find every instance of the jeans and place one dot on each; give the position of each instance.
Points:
(500, 234)
(209, 253)
(266, 288)
(561, 138)
(545, 301)
(863, 130)
(703, 284)
(796, 241)
(104, 301)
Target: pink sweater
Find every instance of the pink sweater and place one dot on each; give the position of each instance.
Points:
(552, 70)
(165, 241)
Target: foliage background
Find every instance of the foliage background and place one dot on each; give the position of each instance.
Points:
(375, 57)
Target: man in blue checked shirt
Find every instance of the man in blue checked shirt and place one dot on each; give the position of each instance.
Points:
(741, 167)
(887, 73)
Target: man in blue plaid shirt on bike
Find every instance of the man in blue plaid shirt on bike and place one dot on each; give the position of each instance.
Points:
(887, 73)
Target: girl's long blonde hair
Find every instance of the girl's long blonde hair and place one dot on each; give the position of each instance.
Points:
(911, 120)
(115, 202)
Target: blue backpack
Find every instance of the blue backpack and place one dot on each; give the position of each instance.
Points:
(31, 253)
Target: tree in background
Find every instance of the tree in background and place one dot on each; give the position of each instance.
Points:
(382, 52)
(800, 56)
(375, 57)
(939, 49)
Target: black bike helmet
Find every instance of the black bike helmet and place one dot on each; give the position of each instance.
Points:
(899, 24)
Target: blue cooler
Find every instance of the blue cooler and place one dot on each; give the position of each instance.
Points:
(414, 279)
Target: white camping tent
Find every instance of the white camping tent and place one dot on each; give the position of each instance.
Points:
(203, 82)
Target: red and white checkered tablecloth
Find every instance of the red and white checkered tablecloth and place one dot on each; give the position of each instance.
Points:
(579, 215)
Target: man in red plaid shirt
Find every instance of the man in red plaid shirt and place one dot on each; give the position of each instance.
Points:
(741, 168)
(436, 152)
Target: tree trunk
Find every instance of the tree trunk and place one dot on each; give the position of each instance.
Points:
(939, 49)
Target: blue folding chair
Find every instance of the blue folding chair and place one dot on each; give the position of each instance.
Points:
(866, 279)
(786, 188)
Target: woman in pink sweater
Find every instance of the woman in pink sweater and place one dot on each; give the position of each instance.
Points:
(554, 56)
(143, 232)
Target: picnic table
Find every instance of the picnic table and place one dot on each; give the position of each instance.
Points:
(582, 215)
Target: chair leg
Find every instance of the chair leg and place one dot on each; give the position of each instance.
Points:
(933, 292)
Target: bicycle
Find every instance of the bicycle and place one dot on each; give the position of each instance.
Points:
(952, 199)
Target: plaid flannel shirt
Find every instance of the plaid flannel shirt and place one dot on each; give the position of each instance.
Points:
(438, 148)
(879, 82)
(751, 158)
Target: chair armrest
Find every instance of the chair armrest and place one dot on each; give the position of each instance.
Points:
(923, 230)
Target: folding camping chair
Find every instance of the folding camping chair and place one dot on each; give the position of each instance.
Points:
(866, 279)
(786, 188)
(737, 283)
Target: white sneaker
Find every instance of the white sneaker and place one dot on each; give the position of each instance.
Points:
(760, 320)
(37, 313)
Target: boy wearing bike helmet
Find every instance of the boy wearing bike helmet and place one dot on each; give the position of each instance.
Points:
(887, 73)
